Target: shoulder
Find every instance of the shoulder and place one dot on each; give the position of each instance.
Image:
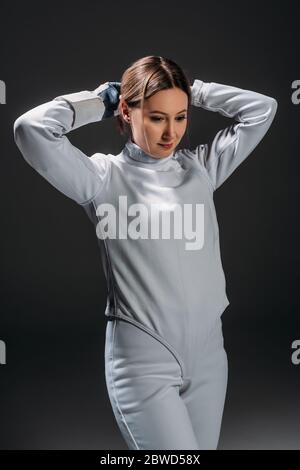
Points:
(195, 158)
(100, 159)
(102, 162)
(195, 155)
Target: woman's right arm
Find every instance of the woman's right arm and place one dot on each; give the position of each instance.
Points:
(40, 136)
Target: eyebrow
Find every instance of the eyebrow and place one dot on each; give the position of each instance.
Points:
(160, 112)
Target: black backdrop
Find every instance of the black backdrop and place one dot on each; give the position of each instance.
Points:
(53, 292)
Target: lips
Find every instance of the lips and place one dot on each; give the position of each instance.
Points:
(167, 145)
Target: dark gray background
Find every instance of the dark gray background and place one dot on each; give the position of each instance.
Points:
(53, 292)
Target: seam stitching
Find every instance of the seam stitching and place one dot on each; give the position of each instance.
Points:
(115, 390)
(156, 336)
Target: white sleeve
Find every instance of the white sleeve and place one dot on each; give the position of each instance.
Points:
(254, 113)
(40, 136)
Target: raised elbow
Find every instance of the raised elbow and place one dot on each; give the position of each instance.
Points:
(274, 104)
(273, 109)
(19, 127)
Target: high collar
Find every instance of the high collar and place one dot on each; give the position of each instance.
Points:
(135, 152)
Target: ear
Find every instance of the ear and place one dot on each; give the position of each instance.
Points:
(124, 110)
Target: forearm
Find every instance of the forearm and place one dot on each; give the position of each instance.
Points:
(253, 113)
(233, 102)
(40, 136)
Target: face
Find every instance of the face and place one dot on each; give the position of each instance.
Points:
(164, 118)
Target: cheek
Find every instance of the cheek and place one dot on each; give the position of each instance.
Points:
(184, 127)
(152, 129)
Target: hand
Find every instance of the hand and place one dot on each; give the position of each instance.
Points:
(110, 94)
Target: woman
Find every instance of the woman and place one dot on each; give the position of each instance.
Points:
(152, 206)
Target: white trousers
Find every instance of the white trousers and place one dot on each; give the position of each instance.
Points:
(155, 404)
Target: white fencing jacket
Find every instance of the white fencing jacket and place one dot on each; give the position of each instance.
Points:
(167, 279)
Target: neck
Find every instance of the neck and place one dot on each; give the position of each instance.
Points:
(135, 152)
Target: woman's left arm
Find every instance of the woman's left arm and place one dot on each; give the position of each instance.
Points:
(254, 113)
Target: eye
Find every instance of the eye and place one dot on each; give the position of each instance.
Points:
(180, 118)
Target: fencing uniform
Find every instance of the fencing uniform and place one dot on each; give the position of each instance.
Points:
(155, 221)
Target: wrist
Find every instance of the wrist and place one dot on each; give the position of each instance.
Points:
(197, 92)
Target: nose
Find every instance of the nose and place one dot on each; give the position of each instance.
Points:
(169, 133)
